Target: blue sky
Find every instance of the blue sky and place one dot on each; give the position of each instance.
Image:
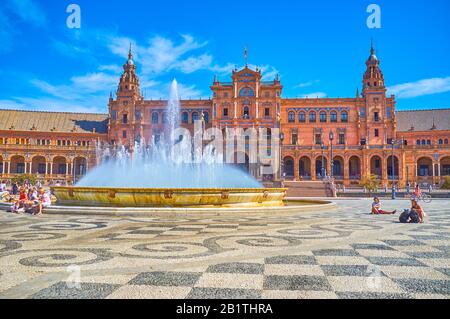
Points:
(318, 47)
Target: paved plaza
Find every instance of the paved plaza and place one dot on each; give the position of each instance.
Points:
(344, 253)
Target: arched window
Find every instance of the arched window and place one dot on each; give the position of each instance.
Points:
(441, 141)
(185, 118)
(312, 117)
(418, 142)
(291, 117)
(323, 117)
(164, 118)
(302, 117)
(155, 118)
(246, 112)
(194, 117)
(344, 117)
(246, 92)
(333, 117)
(206, 117)
(428, 142)
(446, 141)
(424, 142)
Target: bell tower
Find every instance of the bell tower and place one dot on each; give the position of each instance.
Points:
(129, 81)
(125, 112)
(375, 113)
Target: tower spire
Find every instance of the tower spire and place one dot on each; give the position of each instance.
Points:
(372, 49)
(246, 56)
(130, 55)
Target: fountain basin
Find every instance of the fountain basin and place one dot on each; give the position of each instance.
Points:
(166, 197)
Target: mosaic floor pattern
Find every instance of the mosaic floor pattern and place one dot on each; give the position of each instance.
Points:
(345, 253)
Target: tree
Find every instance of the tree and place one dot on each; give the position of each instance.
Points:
(446, 184)
(21, 179)
(370, 182)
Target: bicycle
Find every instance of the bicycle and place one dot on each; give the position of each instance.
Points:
(426, 198)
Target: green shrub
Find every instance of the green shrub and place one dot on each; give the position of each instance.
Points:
(370, 182)
(446, 184)
(21, 179)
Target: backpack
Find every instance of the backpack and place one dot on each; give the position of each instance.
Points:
(404, 217)
(414, 216)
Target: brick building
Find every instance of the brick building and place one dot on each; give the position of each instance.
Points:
(369, 135)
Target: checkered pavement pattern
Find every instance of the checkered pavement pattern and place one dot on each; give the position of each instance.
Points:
(168, 231)
(411, 265)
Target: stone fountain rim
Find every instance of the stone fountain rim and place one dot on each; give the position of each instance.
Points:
(146, 189)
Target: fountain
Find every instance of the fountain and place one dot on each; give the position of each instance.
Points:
(165, 174)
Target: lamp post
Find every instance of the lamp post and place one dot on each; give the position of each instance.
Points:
(331, 158)
(393, 170)
(322, 170)
(408, 186)
(281, 156)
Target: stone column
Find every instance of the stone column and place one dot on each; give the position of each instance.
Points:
(9, 167)
(296, 169)
(313, 169)
(346, 171)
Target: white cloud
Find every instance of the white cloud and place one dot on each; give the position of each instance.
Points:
(420, 88)
(12, 105)
(6, 33)
(111, 67)
(193, 64)
(161, 55)
(84, 93)
(29, 12)
(69, 49)
(188, 92)
(314, 95)
(306, 84)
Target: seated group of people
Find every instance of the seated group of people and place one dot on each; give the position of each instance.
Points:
(414, 215)
(31, 200)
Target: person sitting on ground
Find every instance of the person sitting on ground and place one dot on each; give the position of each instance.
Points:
(376, 208)
(414, 215)
(19, 205)
(33, 201)
(415, 207)
(45, 200)
(4, 194)
(15, 189)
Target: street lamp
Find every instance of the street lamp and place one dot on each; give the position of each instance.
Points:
(281, 155)
(322, 171)
(331, 158)
(393, 170)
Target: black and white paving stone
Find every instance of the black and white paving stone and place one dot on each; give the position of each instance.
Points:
(346, 253)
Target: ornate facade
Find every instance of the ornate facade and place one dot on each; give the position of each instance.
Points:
(368, 135)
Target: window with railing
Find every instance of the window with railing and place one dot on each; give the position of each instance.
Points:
(312, 117)
(291, 117)
(302, 117)
(194, 117)
(376, 117)
(323, 117)
(185, 118)
(333, 117)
